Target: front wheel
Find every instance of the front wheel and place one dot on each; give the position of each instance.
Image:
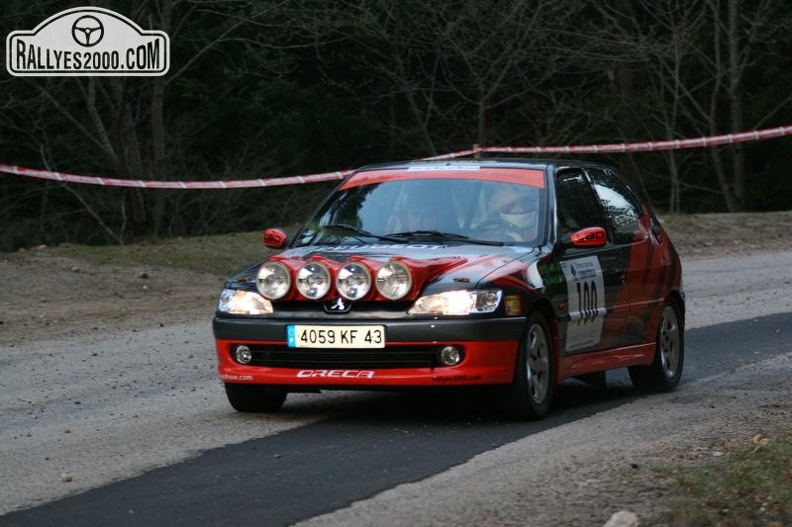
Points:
(666, 369)
(255, 397)
(530, 395)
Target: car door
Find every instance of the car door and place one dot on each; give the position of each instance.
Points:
(628, 221)
(593, 275)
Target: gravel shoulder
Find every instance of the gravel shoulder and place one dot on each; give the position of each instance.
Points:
(118, 354)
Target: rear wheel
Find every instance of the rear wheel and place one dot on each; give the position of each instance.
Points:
(530, 395)
(665, 371)
(255, 397)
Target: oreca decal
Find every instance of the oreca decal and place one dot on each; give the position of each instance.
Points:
(586, 294)
(335, 374)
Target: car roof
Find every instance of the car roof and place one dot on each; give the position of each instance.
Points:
(535, 164)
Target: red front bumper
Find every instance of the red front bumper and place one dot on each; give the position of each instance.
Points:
(486, 362)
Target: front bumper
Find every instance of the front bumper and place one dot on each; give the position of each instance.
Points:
(489, 346)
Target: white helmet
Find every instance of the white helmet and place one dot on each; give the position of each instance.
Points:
(517, 205)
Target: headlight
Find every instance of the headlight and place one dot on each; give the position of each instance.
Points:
(353, 281)
(394, 280)
(273, 280)
(313, 280)
(243, 303)
(458, 303)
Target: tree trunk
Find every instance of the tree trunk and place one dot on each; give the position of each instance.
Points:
(674, 199)
(736, 108)
(158, 167)
(481, 136)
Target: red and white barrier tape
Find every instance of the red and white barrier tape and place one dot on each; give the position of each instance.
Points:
(179, 185)
(673, 144)
(613, 148)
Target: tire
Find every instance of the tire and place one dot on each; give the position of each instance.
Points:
(531, 393)
(255, 397)
(665, 371)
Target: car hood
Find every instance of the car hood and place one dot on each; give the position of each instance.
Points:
(436, 267)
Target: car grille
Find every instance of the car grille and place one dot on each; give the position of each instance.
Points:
(284, 357)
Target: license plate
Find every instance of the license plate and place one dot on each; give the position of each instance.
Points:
(300, 336)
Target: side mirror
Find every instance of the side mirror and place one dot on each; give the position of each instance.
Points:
(275, 238)
(589, 237)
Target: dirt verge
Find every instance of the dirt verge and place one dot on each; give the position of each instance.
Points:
(55, 292)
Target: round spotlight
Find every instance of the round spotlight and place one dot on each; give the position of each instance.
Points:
(243, 355)
(313, 280)
(394, 280)
(353, 281)
(450, 356)
(273, 280)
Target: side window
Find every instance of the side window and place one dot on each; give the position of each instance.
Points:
(577, 204)
(622, 209)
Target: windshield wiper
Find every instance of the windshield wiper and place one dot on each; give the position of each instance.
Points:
(358, 232)
(445, 236)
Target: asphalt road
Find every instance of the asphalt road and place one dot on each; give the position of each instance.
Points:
(379, 443)
(147, 438)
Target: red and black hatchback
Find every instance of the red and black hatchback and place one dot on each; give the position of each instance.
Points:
(511, 273)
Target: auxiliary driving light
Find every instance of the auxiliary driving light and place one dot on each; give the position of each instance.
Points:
(353, 281)
(394, 280)
(450, 356)
(313, 280)
(273, 280)
(243, 355)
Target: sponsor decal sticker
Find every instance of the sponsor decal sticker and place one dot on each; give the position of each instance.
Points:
(551, 273)
(307, 250)
(436, 168)
(586, 293)
(227, 377)
(87, 41)
(455, 378)
(335, 374)
(513, 305)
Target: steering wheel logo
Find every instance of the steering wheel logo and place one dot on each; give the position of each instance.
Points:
(87, 31)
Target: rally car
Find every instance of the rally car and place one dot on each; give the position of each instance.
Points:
(515, 274)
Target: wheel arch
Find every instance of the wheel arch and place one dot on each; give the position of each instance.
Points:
(545, 308)
(678, 298)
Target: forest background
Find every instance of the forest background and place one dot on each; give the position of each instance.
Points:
(260, 89)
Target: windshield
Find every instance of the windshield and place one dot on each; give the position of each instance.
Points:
(445, 209)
